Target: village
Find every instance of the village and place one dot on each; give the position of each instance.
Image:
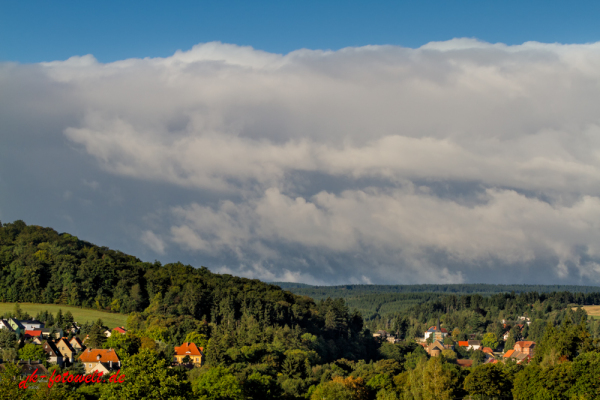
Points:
(65, 348)
(438, 341)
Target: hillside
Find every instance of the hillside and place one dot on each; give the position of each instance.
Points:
(39, 265)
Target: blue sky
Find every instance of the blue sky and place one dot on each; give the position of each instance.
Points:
(34, 31)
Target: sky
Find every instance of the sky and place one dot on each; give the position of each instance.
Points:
(315, 142)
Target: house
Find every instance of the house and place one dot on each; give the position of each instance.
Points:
(107, 333)
(195, 353)
(16, 326)
(47, 332)
(34, 334)
(100, 360)
(380, 334)
(66, 349)
(525, 346)
(28, 367)
(76, 344)
(436, 332)
(31, 325)
(5, 325)
(470, 344)
(435, 348)
(73, 328)
(120, 329)
(393, 339)
(516, 355)
(54, 355)
(488, 350)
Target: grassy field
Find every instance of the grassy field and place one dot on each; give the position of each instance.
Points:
(81, 315)
(592, 311)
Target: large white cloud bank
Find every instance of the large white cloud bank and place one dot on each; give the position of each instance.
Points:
(459, 161)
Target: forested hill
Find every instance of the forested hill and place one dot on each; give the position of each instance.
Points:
(42, 266)
(320, 292)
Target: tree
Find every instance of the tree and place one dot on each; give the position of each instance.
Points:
(333, 390)
(68, 318)
(477, 356)
(32, 352)
(148, 377)
(218, 383)
(125, 345)
(437, 381)
(490, 340)
(8, 339)
(19, 314)
(199, 339)
(60, 319)
(488, 380)
(10, 377)
(510, 342)
(96, 335)
(341, 388)
(261, 387)
(449, 355)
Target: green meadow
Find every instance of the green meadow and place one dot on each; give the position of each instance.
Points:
(81, 315)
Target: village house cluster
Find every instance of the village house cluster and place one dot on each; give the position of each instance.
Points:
(436, 340)
(64, 351)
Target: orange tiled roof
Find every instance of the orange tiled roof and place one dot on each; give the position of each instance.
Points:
(487, 350)
(188, 349)
(525, 343)
(91, 355)
(463, 343)
(120, 329)
(33, 333)
(508, 353)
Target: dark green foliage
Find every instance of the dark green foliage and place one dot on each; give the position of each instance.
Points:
(96, 335)
(488, 380)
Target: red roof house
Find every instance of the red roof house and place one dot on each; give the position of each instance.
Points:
(33, 333)
(188, 349)
(120, 329)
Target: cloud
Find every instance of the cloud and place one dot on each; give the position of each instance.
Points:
(457, 161)
(153, 242)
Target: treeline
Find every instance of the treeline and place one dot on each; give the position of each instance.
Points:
(318, 292)
(382, 301)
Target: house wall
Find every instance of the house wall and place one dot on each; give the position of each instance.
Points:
(197, 360)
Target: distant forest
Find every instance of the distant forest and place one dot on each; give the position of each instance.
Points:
(380, 302)
(318, 292)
